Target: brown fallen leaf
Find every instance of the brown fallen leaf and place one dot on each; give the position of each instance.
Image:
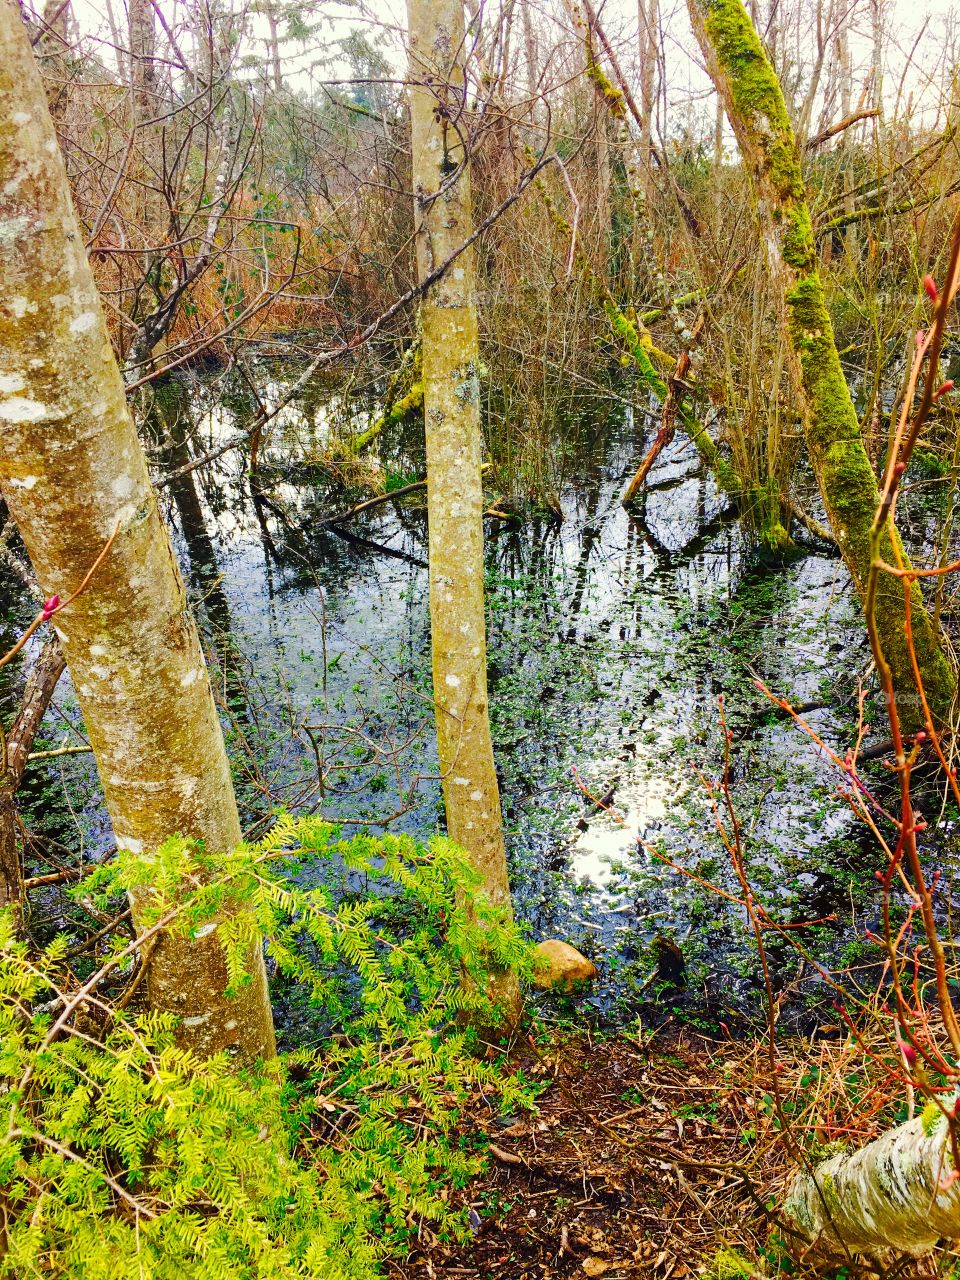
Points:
(595, 1266)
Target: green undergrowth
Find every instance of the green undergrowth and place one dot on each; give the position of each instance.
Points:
(122, 1155)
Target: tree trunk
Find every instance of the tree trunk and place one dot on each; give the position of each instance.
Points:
(453, 436)
(531, 56)
(602, 203)
(39, 689)
(71, 470)
(754, 104)
(843, 148)
(888, 1195)
(145, 178)
(648, 13)
(145, 165)
(876, 60)
(273, 49)
(142, 30)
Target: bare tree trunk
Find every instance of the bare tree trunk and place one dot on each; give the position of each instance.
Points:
(143, 51)
(603, 204)
(443, 216)
(41, 682)
(751, 94)
(820, 26)
(897, 1192)
(273, 49)
(117, 41)
(876, 53)
(648, 14)
(718, 120)
(531, 55)
(843, 148)
(72, 470)
(146, 166)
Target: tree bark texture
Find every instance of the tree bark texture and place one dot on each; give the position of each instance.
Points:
(71, 470)
(41, 683)
(895, 1193)
(451, 397)
(752, 98)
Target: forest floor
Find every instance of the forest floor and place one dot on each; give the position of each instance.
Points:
(641, 1159)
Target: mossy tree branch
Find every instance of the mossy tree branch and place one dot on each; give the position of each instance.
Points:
(752, 98)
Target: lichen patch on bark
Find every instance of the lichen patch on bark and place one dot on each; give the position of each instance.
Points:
(72, 470)
(451, 397)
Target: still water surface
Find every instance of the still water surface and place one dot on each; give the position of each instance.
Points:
(612, 637)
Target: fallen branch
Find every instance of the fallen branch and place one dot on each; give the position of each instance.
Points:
(668, 426)
(373, 502)
(826, 134)
(59, 751)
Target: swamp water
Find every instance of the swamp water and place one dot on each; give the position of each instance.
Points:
(612, 637)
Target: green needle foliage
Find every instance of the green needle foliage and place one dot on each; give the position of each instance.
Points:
(121, 1155)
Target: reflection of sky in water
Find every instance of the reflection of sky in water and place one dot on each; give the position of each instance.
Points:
(612, 636)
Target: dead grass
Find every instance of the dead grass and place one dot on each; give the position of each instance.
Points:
(651, 1160)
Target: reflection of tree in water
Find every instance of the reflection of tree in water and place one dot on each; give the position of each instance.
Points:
(297, 739)
(597, 640)
(171, 424)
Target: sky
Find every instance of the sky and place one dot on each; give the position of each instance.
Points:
(916, 33)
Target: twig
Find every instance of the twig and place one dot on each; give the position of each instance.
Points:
(54, 605)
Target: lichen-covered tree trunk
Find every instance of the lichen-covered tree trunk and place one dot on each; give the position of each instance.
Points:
(451, 398)
(897, 1192)
(71, 470)
(754, 104)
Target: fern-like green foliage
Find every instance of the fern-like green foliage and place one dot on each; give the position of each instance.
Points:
(121, 1155)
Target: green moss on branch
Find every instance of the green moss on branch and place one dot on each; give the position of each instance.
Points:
(751, 94)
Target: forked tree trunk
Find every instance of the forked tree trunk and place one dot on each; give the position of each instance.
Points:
(451, 397)
(895, 1193)
(754, 104)
(71, 470)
